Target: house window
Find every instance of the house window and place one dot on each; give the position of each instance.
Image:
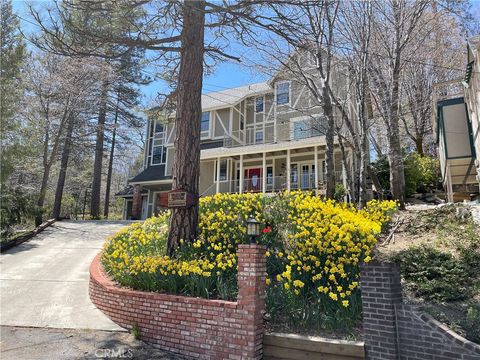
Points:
(259, 136)
(283, 93)
(269, 175)
(259, 104)
(159, 128)
(242, 122)
(159, 151)
(307, 128)
(223, 170)
(159, 155)
(293, 173)
(205, 123)
(301, 130)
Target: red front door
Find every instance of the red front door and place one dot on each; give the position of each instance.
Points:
(253, 179)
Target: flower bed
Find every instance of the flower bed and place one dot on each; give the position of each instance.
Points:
(314, 251)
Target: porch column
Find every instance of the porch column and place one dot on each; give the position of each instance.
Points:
(242, 180)
(137, 202)
(315, 159)
(264, 173)
(218, 176)
(288, 170)
(344, 180)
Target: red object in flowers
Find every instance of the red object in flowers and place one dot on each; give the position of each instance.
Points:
(267, 230)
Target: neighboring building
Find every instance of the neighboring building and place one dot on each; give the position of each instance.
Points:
(263, 137)
(471, 85)
(456, 123)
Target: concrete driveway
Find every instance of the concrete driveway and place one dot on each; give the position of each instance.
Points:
(44, 281)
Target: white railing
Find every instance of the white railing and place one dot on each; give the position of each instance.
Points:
(272, 184)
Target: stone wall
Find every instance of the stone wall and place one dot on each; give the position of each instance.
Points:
(394, 330)
(193, 327)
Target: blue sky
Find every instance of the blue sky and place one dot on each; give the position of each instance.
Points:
(226, 75)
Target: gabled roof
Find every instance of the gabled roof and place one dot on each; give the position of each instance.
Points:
(155, 172)
(230, 97)
(127, 192)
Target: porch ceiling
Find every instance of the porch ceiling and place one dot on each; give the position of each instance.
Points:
(279, 153)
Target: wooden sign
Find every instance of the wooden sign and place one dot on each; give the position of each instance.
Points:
(181, 199)
(177, 199)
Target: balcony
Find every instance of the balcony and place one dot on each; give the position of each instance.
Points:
(266, 134)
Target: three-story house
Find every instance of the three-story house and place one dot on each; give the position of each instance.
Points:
(264, 137)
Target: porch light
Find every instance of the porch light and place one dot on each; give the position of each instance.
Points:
(253, 229)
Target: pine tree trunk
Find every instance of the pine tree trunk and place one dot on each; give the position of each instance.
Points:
(57, 206)
(41, 196)
(186, 166)
(97, 166)
(48, 160)
(110, 166)
(46, 174)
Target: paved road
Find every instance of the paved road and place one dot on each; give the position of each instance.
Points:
(44, 281)
(19, 343)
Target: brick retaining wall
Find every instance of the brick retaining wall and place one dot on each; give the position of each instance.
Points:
(394, 330)
(193, 327)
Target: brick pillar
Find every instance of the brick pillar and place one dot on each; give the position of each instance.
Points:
(252, 271)
(381, 293)
(137, 202)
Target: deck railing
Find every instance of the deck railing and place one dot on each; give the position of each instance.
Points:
(272, 184)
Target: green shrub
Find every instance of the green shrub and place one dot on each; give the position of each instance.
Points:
(433, 275)
(340, 192)
(422, 173)
(471, 324)
(16, 208)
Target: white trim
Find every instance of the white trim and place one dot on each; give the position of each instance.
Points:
(170, 134)
(299, 96)
(289, 171)
(264, 172)
(242, 175)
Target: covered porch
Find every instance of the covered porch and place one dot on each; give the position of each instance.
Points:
(268, 170)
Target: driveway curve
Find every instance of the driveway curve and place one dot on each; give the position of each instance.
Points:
(44, 281)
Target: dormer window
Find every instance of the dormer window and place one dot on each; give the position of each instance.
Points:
(259, 104)
(282, 93)
(205, 123)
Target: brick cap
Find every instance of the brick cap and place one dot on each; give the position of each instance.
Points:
(460, 340)
(252, 247)
(98, 275)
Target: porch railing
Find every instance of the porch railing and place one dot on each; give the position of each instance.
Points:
(272, 184)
